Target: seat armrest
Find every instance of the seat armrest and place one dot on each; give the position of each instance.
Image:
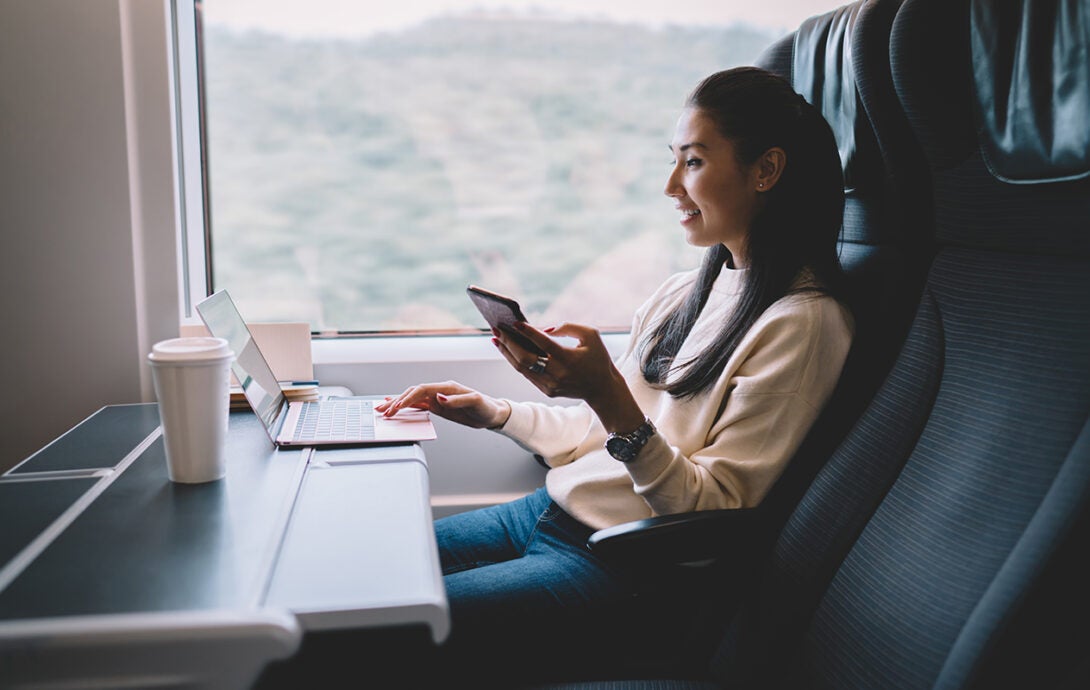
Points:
(681, 539)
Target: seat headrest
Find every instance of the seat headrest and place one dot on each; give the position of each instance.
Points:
(1004, 128)
(1031, 82)
(822, 72)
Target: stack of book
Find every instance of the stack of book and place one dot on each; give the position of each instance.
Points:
(293, 390)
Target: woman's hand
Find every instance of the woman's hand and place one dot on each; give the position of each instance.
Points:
(584, 371)
(453, 401)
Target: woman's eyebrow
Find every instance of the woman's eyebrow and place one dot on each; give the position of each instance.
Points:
(685, 147)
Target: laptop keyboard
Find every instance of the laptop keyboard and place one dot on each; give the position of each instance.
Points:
(336, 420)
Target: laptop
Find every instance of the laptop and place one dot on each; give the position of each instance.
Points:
(343, 421)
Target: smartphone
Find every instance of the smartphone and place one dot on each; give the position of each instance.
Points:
(501, 312)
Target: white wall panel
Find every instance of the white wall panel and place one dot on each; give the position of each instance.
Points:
(75, 295)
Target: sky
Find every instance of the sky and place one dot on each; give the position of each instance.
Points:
(352, 18)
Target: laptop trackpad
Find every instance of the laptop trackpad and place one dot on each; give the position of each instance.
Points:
(413, 425)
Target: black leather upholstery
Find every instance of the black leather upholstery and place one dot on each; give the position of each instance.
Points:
(1032, 69)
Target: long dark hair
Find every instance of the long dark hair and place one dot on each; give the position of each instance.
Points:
(796, 229)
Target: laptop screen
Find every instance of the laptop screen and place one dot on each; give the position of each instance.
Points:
(259, 384)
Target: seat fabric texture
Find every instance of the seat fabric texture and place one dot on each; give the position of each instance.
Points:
(950, 512)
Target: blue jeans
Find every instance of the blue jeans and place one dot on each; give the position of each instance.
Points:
(529, 600)
(521, 562)
(526, 595)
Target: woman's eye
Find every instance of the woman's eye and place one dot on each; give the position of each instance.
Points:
(693, 163)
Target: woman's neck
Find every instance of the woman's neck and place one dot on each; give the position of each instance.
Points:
(737, 258)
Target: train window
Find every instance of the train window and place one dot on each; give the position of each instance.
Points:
(364, 161)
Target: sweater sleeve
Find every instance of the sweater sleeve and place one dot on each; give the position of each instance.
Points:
(789, 364)
(552, 431)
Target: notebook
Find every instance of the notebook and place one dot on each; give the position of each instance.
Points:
(294, 423)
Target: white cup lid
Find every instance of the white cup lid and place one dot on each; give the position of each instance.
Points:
(190, 349)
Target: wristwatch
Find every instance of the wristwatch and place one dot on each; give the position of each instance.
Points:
(625, 447)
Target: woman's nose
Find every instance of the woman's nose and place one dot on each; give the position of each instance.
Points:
(673, 187)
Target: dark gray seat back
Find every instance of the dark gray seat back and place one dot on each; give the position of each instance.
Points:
(940, 544)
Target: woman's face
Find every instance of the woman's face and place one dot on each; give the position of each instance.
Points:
(716, 195)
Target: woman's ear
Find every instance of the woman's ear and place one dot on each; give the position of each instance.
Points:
(769, 168)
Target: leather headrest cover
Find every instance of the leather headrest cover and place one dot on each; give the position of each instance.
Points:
(822, 72)
(1031, 75)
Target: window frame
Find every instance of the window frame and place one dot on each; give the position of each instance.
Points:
(194, 231)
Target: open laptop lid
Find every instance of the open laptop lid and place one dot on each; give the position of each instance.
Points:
(250, 367)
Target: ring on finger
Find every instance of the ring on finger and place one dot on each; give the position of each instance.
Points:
(538, 367)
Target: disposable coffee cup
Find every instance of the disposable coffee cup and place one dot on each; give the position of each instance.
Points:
(192, 379)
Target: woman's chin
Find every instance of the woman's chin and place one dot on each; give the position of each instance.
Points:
(697, 239)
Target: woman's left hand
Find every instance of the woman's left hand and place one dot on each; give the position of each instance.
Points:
(584, 371)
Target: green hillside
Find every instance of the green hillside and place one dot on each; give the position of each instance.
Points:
(360, 185)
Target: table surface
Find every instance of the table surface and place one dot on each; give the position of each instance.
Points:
(91, 525)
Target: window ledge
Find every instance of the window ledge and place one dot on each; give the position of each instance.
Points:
(407, 349)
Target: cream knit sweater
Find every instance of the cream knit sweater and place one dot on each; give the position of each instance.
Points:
(721, 449)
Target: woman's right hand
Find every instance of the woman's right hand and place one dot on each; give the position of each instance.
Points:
(453, 401)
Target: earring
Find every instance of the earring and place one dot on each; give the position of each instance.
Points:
(760, 185)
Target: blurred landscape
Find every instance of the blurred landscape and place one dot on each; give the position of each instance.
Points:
(360, 185)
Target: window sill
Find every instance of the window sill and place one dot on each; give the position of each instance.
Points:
(415, 349)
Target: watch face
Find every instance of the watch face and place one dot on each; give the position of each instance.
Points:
(625, 447)
(619, 449)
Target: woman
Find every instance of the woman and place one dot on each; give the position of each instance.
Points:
(727, 368)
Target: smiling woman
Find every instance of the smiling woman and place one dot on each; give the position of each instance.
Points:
(726, 370)
(363, 167)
